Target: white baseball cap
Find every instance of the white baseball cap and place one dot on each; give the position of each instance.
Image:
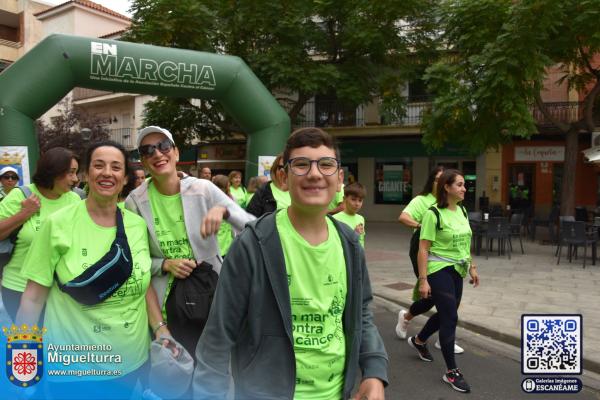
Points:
(8, 169)
(151, 129)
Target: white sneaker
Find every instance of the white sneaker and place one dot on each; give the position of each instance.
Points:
(402, 325)
(457, 348)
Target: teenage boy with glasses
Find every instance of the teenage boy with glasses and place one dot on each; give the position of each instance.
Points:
(292, 302)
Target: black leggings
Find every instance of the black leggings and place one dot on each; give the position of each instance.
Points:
(421, 306)
(446, 292)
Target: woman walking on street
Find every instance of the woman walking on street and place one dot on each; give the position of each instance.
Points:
(412, 216)
(444, 259)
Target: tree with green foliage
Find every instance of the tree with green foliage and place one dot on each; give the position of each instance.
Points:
(351, 50)
(497, 55)
(64, 129)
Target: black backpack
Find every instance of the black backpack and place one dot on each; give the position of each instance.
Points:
(189, 303)
(414, 240)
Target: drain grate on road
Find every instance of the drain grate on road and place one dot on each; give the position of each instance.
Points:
(400, 286)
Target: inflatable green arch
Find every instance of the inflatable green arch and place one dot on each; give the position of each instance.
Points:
(59, 63)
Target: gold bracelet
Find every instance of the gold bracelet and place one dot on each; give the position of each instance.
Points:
(422, 279)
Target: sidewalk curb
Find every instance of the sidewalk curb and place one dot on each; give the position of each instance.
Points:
(591, 366)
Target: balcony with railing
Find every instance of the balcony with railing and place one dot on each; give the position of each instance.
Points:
(332, 113)
(564, 111)
(123, 136)
(83, 93)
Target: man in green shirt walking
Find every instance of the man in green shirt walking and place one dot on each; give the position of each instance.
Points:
(293, 297)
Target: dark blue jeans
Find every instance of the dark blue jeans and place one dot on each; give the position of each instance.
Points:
(446, 292)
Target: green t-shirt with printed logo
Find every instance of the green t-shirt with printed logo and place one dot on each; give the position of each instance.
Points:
(11, 205)
(353, 221)
(120, 321)
(453, 241)
(419, 205)
(239, 195)
(317, 286)
(169, 225)
(282, 199)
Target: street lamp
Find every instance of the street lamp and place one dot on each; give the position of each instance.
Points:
(86, 134)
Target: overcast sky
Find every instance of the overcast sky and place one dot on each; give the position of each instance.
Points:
(120, 6)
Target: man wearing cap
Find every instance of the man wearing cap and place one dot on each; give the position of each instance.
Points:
(9, 178)
(183, 217)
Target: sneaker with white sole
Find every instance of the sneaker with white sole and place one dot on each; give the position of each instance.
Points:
(457, 348)
(456, 379)
(402, 325)
(421, 349)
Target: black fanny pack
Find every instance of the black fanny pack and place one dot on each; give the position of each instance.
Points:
(103, 278)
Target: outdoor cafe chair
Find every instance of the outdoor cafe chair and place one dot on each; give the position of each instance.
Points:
(516, 229)
(498, 228)
(549, 222)
(575, 233)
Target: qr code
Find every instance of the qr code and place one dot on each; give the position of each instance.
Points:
(551, 344)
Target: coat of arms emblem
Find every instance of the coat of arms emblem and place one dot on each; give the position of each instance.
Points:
(24, 354)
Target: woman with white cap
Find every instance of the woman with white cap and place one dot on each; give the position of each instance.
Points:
(183, 217)
(9, 178)
(55, 175)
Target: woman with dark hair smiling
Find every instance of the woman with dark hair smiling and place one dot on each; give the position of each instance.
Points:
(412, 216)
(93, 276)
(444, 260)
(55, 175)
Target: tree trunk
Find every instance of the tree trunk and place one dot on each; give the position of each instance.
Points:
(567, 196)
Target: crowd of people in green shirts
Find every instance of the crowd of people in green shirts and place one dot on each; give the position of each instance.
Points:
(293, 293)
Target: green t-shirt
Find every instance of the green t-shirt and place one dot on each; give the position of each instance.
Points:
(121, 321)
(337, 199)
(282, 198)
(225, 237)
(353, 221)
(11, 205)
(418, 205)
(249, 197)
(239, 195)
(317, 285)
(169, 226)
(453, 241)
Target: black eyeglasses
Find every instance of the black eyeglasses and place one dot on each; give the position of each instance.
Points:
(10, 177)
(300, 166)
(163, 146)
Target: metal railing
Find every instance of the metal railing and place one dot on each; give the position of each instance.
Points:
(336, 114)
(562, 111)
(123, 136)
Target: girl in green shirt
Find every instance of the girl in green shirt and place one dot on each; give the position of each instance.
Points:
(237, 190)
(55, 175)
(444, 257)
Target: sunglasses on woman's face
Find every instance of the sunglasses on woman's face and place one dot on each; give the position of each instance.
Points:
(10, 177)
(147, 150)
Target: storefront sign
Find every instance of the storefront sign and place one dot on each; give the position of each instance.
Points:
(264, 165)
(18, 158)
(540, 153)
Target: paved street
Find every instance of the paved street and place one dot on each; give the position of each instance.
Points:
(489, 366)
